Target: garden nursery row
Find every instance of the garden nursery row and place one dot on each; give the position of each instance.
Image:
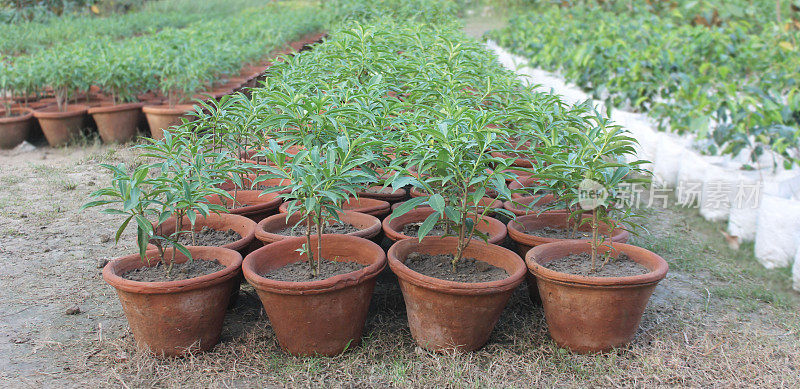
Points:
(390, 143)
(113, 80)
(726, 95)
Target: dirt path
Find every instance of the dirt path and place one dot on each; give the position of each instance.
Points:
(717, 320)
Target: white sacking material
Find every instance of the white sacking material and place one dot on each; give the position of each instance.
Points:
(721, 187)
(668, 160)
(743, 218)
(796, 271)
(777, 231)
(691, 173)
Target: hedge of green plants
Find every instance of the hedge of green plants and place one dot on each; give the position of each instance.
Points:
(27, 37)
(176, 61)
(734, 82)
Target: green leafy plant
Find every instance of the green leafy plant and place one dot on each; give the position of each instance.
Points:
(453, 165)
(587, 170)
(320, 179)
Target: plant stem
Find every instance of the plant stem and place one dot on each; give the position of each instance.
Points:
(309, 254)
(594, 241)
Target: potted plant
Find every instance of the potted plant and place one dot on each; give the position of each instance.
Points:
(190, 173)
(594, 291)
(119, 74)
(174, 296)
(63, 70)
(458, 304)
(15, 122)
(178, 80)
(316, 288)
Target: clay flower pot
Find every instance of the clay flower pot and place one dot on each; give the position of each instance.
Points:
(524, 241)
(386, 194)
(15, 128)
(520, 183)
(258, 205)
(221, 222)
(393, 227)
(377, 208)
(322, 317)
(593, 314)
(161, 117)
(60, 127)
(117, 123)
(520, 205)
(447, 314)
(174, 317)
(368, 226)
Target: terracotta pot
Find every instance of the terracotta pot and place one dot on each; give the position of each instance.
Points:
(174, 317)
(519, 206)
(377, 208)
(446, 314)
(322, 317)
(61, 127)
(385, 194)
(369, 226)
(521, 162)
(490, 195)
(520, 183)
(393, 227)
(525, 241)
(161, 117)
(117, 123)
(247, 181)
(593, 314)
(258, 206)
(519, 174)
(221, 222)
(14, 129)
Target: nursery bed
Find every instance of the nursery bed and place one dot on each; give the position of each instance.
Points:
(717, 319)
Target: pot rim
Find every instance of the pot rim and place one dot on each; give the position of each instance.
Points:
(164, 109)
(270, 203)
(52, 112)
(339, 281)
(454, 287)
(366, 205)
(166, 287)
(518, 236)
(24, 113)
(395, 235)
(654, 276)
(236, 245)
(371, 231)
(115, 108)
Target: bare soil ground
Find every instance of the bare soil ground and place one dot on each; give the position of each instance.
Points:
(718, 319)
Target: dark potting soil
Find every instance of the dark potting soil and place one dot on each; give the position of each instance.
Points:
(209, 237)
(467, 269)
(581, 265)
(412, 229)
(558, 233)
(300, 271)
(335, 228)
(180, 271)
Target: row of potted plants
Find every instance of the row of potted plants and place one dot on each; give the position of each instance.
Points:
(375, 110)
(112, 79)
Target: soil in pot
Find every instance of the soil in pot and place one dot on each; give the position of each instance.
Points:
(299, 272)
(331, 228)
(180, 271)
(467, 269)
(210, 237)
(412, 229)
(558, 233)
(581, 264)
